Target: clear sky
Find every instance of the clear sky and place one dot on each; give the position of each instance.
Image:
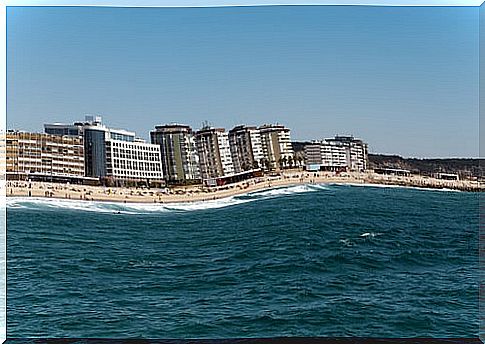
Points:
(404, 79)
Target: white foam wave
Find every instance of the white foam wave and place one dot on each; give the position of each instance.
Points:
(370, 234)
(119, 208)
(55, 203)
(283, 191)
(145, 208)
(346, 242)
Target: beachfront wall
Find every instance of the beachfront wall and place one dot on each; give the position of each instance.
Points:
(276, 146)
(43, 156)
(180, 161)
(246, 149)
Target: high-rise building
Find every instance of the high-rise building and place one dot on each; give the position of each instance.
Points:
(276, 146)
(313, 155)
(214, 153)
(43, 156)
(355, 151)
(180, 160)
(119, 155)
(337, 154)
(246, 149)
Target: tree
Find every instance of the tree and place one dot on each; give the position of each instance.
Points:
(285, 161)
(290, 161)
(280, 162)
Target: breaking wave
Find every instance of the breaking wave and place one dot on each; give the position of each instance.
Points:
(39, 203)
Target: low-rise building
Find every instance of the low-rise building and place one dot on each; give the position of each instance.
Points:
(393, 171)
(447, 176)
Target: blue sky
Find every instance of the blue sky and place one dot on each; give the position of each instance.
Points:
(405, 79)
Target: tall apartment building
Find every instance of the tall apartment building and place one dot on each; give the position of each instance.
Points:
(180, 160)
(337, 154)
(313, 155)
(246, 149)
(214, 153)
(39, 156)
(276, 146)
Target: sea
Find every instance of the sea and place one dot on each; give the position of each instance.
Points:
(307, 260)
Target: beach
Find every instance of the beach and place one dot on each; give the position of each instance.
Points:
(200, 193)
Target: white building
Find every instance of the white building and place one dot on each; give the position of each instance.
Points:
(276, 146)
(118, 155)
(337, 154)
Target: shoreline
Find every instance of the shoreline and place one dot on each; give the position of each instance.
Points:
(191, 194)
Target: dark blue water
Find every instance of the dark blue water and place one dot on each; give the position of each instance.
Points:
(299, 261)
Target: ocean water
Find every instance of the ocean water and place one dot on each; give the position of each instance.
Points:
(314, 260)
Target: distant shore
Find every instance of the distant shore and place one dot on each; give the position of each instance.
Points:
(199, 193)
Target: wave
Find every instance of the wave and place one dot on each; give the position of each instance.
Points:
(370, 234)
(116, 207)
(285, 190)
(40, 203)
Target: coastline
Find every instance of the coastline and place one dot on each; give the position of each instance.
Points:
(198, 193)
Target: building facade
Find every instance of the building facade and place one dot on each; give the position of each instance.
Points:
(180, 160)
(341, 153)
(313, 156)
(43, 156)
(119, 156)
(246, 149)
(276, 146)
(214, 153)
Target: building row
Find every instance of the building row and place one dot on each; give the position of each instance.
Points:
(90, 151)
(215, 156)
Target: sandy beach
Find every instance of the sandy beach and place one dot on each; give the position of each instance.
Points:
(199, 193)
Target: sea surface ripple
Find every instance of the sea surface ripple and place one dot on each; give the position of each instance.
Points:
(310, 260)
